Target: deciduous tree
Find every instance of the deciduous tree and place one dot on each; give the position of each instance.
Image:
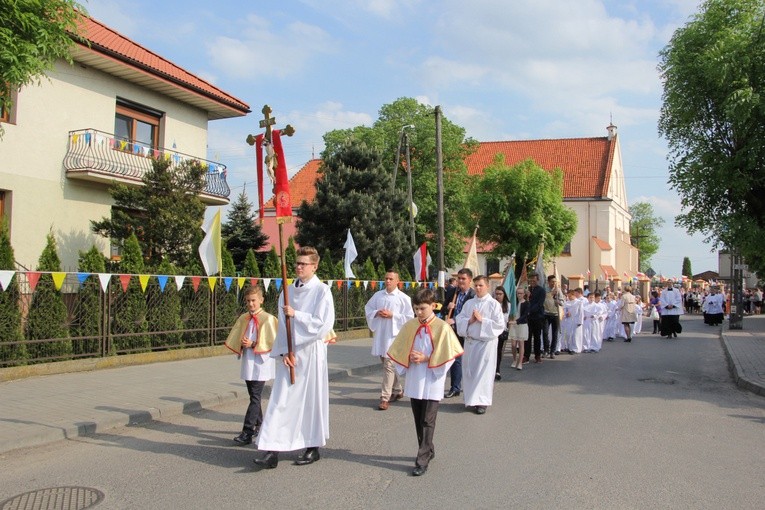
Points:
(643, 232)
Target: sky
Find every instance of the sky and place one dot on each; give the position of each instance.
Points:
(503, 70)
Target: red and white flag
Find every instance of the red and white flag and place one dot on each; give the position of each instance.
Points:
(421, 262)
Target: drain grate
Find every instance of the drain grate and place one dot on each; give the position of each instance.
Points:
(55, 498)
(655, 380)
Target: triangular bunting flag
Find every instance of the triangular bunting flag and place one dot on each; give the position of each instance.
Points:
(104, 278)
(211, 281)
(227, 282)
(58, 279)
(195, 281)
(240, 281)
(179, 282)
(348, 283)
(329, 283)
(253, 281)
(162, 279)
(431, 285)
(5, 278)
(366, 284)
(374, 284)
(144, 280)
(357, 283)
(406, 285)
(266, 283)
(125, 281)
(278, 283)
(33, 277)
(290, 280)
(339, 283)
(81, 277)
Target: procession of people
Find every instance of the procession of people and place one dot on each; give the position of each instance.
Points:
(426, 356)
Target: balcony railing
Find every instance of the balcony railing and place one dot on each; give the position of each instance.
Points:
(101, 157)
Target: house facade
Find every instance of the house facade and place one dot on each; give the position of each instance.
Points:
(601, 252)
(90, 124)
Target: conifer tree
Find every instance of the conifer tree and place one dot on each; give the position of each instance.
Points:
(129, 310)
(227, 302)
(251, 268)
(164, 307)
(48, 316)
(10, 313)
(242, 232)
(687, 271)
(87, 322)
(326, 268)
(272, 268)
(290, 256)
(367, 271)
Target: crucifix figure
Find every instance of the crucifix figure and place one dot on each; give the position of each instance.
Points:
(270, 158)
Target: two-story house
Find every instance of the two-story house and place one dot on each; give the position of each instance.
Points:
(100, 120)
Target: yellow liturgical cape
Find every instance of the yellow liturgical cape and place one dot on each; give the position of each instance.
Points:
(266, 324)
(446, 346)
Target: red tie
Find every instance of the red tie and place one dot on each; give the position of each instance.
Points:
(255, 327)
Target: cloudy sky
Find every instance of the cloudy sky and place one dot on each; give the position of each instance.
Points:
(503, 69)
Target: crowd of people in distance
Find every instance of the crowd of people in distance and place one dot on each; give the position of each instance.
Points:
(422, 343)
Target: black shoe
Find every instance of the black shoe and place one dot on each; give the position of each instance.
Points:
(497, 377)
(556, 353)
(419, 470)
(244, 438)
(627, 339)
(452, 393)
(269, 461)
(309, 456)
(480, 409)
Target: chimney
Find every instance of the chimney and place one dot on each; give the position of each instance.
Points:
(611, 131)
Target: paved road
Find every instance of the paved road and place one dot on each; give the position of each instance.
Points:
(652, 424)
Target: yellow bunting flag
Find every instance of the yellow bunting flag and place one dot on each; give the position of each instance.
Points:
(144, 279)
(240, 281)
(290, 280)
(58, 279)
(211, 281)
(357, 283)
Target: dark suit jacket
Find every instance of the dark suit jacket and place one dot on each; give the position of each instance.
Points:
(448, 299)
(537, 302)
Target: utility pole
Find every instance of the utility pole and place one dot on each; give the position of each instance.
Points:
(736, 320)
(440, 188)
(409, 186)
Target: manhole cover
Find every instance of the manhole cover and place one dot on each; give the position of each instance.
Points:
(55, 498)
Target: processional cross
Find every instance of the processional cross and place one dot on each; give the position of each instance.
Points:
(267, 122)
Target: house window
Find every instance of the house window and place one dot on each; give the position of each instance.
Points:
(6, 113)
(137, 124)
(492, 266)
(2, 206)
(566, 249)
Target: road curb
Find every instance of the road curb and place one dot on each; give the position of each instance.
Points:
(143, 416)
(737, 372)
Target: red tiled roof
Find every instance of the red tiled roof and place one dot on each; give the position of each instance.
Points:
(302, 184)
(110, 43)
(586, 162)
(603, 245)
(609, 271)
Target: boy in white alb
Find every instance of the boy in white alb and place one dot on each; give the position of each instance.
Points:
(424, 350)
(589, 329)
(480, 322)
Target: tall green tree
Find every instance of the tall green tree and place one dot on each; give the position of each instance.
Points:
(272, 267)
(521, 206)
(242, 232)
(130, 313)
(290, 257)
(687, 271)
(11, 333)
(87, 320)
(712, 116)
(251, 267)
(326, 268)
(48, 316)
(384, 136)
(33, 35)
(643, 232)
(351, 194)
(164, 214)
(163, 313)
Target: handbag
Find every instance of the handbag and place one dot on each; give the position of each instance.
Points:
(654, 314)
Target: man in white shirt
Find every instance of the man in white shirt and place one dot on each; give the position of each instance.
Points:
(386, 312)
(671, 309)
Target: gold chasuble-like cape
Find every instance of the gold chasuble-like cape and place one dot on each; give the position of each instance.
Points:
(446, 346)
(266, 324)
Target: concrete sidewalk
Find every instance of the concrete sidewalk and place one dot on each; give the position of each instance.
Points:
(745, 349)
(40, 410)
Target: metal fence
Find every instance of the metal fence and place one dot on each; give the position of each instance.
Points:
(90, 315)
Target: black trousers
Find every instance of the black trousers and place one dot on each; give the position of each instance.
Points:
(501, 340)
(425, 413)
(669, 325)
(536, 325)
(552, 325)
(254, 415)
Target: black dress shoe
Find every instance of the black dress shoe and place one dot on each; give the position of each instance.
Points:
(480, 409)
(419, 470)
(309, 456)
(243, 438)
(269, 461)
(451, 394)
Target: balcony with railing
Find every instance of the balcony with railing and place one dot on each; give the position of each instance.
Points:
(97, 156)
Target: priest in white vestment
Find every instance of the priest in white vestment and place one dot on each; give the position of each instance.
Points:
(480, 322)
(298, 414)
